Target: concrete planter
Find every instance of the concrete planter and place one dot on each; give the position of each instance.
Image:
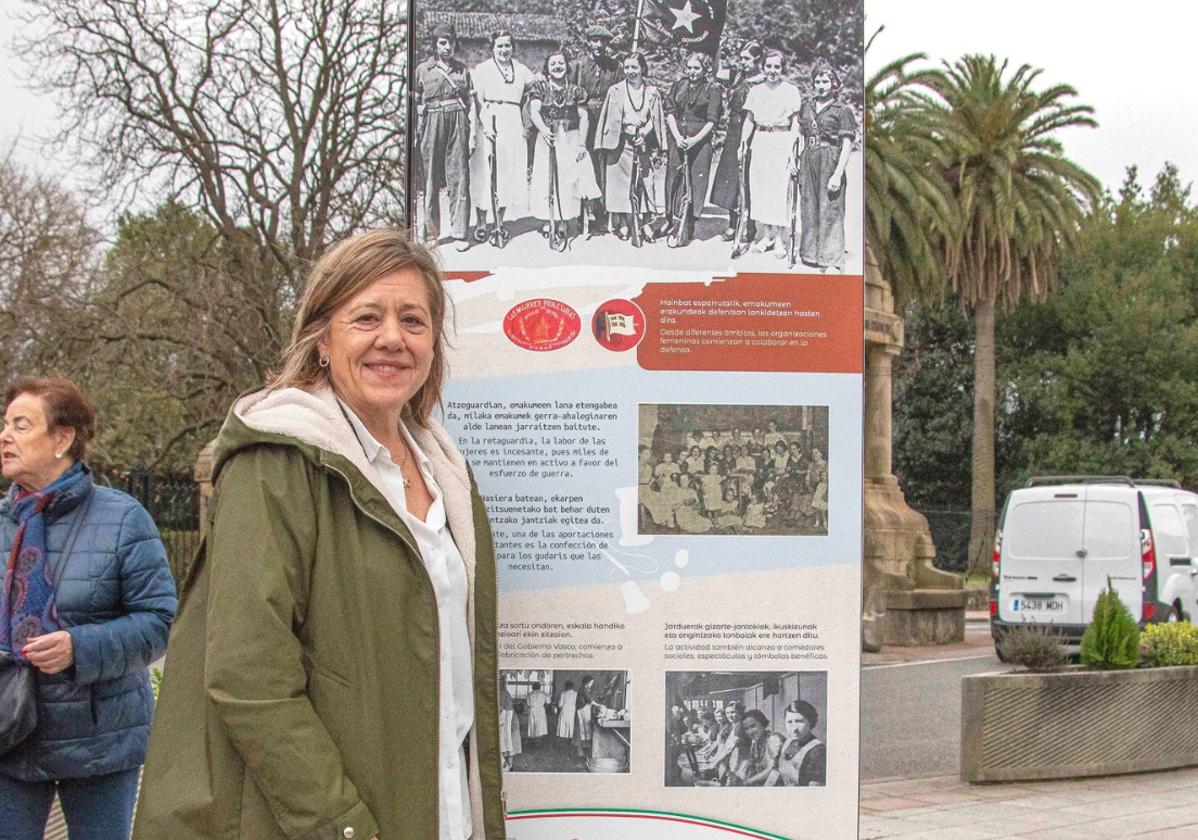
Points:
(1018, 727)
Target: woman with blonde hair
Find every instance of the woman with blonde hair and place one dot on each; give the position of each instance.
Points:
(348, 556)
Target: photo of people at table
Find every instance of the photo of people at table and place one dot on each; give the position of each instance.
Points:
(553, 721)
(727, 469)
(746, 729)
(601, 129)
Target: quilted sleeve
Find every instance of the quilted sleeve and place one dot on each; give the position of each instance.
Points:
(110, 649)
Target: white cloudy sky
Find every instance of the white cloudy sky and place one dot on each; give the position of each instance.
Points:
(1135, 63)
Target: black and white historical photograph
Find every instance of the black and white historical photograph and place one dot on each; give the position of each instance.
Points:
(746, 728)
(553, 721)
(676, 133)
(733, 469)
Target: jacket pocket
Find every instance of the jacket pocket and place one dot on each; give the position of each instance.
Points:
(317, 669)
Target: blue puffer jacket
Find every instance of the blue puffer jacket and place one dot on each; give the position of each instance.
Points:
(116, 598)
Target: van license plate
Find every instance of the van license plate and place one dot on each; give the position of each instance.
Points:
(1044, 605)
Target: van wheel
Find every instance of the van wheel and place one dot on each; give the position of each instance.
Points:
(1175, 614)
(998, 652)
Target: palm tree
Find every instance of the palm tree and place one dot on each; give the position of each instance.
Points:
(909, 207)
(1020, 204)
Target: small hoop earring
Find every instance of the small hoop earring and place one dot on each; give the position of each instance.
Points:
(324, 361)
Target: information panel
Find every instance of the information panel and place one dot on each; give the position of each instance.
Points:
(650, 214)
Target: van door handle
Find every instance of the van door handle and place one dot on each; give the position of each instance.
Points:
(1081, 552)
(1065, 579)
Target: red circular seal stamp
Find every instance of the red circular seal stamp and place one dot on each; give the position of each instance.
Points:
(542, 324)
(618, 325)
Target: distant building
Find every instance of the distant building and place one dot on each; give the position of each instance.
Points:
(536, 36)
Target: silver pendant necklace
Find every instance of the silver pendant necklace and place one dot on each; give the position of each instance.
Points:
(407, 482)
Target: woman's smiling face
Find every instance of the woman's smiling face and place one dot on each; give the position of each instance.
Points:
(773, 68)
(502, 48)
(380, 344)
(632, 69)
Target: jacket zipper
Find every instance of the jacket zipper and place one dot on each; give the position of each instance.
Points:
(436, 621)
(495, 624)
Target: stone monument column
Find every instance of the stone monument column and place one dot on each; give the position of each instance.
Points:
(907, 600)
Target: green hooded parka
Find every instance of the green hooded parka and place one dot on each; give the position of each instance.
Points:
(300, 692)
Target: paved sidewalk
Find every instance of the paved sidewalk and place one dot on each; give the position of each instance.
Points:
(1153, 806)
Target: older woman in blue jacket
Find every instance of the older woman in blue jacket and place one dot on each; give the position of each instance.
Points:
(90, 624)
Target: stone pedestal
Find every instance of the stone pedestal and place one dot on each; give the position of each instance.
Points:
(907, 600)
(203, 477)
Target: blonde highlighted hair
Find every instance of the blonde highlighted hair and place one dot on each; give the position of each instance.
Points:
(341, 273)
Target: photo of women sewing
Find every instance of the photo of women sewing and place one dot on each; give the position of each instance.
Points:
(828, 130)
(499, 85)
(559, 113)
(692, 109)
(770, 131)
(631, 132)
(804, 757)
(726, 187)
(746, 729)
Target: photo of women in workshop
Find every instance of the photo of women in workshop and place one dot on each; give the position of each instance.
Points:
(554, 721)
(746, 729)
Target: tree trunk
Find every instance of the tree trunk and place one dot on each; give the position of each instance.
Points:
(983, 514)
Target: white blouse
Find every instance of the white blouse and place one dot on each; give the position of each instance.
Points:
(448, 574)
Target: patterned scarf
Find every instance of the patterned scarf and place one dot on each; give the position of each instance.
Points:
(27, 596)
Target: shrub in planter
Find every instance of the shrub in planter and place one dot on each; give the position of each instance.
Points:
(1113, 638)
(1034, 647)
(1170, 644)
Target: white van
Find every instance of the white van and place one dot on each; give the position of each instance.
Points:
(1061, 538)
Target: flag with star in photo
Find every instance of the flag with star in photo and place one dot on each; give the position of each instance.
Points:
(694, 24)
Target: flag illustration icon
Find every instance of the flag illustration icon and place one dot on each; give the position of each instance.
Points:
(695, 24)
(620, 324)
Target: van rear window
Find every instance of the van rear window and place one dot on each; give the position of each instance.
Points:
(1168, 531)
(1044, 529)
(1109, 533)
(1190, 512)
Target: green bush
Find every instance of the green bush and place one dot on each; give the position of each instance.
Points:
(1034, 647)
(1113, 638)
(1170, 644)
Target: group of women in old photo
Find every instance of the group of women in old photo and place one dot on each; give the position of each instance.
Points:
(729, 746)
(734, 482)
(590, 144)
